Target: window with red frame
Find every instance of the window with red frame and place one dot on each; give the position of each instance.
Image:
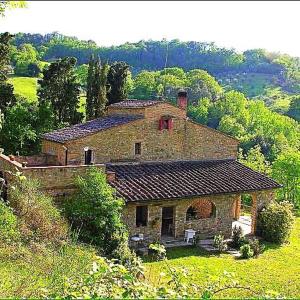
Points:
(165, 123)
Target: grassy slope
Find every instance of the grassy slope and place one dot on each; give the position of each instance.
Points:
(277, 269)
(25, 86)
(24, 273)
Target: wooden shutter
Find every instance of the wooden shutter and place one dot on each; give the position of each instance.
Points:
(170, 124)
(161, 122)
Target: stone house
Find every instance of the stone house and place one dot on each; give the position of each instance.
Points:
(173, 173)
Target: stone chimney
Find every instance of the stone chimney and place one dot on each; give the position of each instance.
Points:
(182, 100)
(110, 176)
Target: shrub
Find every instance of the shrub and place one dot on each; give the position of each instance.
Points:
(256, 247)
(40, 220)
(158, 250)
(246, 251)
(275, 222)
(9, 231)
(219, 243)
(237, 237)
(97, 213)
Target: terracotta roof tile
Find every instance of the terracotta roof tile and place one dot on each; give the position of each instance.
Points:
(84, 129)
(135, 103)
(183, 179)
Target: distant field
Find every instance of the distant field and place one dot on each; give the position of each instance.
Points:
(25, 87)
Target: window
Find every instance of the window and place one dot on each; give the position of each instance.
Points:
(138, 148)
(141, 216)
(165, 123)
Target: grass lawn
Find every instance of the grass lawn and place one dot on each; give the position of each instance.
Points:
(277, 269)
(25, 86)
(24, 273)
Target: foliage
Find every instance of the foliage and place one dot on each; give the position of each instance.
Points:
(117, 78)
(219, 243)
(6, 4)
(9, 231)
(158, 250)
(275, 222)
(39, 220)
(19, 129)
(294, 109)
(59, 90)
(256, 247)
(286, 169)
(96, 99)
(246, 251)
(97, 213)
(108, 279)
(255, 160)
(6, 90)
(237, 237)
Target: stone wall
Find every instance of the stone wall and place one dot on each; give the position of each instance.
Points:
(58, 179)
(221, 222)
(53, 148)
(260, 200)
(186, 140)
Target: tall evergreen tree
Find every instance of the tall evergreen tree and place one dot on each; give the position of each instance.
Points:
(60, 91)
(7, 97)
(96, 88)
(89, 108)
(116, 79)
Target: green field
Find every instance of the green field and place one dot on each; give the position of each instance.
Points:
(277, 269)
(25, 87)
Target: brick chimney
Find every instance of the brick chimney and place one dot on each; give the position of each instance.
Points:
(110, 176)
(182, 100)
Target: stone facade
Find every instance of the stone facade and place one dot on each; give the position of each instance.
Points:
(185, 141)
(220, 222)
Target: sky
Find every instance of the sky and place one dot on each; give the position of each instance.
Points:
(273, 26)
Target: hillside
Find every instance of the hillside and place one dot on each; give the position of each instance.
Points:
(253, 72)
(25, 87)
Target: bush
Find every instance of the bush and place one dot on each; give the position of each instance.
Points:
(9, 231)
(158, 251)
(96, 213)
(237, 237)
(219, 243)
(256, 247)
(275, 222)
(246, 251)
(40, 220)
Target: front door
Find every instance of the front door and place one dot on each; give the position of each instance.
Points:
(167, 222)
(88, 157)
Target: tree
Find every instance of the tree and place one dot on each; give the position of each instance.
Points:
(60, 90)
(5, 4)
(97, 211)
(19, 131)
(286, 169)
(145, 85)
(255, 160)
(203, 85)
(116, 79)
(96, 88)
(7, 97)
(294, 110)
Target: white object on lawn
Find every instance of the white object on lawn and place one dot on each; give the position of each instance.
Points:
(189, 235)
